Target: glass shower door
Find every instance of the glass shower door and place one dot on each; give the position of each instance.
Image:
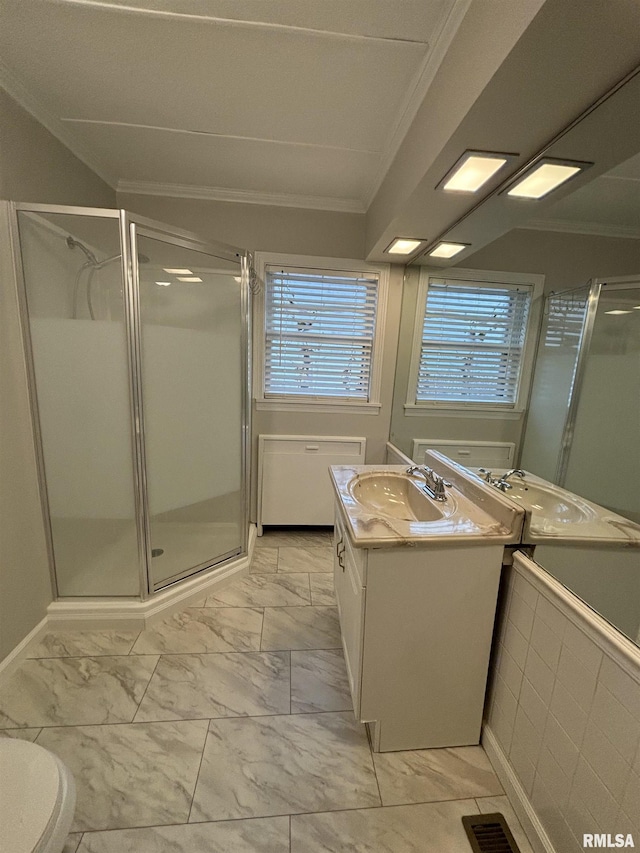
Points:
(193, 379)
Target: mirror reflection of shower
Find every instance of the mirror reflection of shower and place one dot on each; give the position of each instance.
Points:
(91, 266)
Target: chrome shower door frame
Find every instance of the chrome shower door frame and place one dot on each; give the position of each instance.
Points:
(142, 226)
(130, 226)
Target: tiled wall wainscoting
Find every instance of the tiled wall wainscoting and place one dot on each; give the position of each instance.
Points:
(563, 715)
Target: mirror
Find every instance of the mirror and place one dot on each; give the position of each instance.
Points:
(581, 427)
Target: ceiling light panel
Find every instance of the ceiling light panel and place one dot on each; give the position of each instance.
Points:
(193, 278)
(545, 177)
(617, 312)
(178, 272)
(403, 246)
(473, 170)
(447, 250)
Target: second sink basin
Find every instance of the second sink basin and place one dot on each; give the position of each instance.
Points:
(549, 503)
(396, 496)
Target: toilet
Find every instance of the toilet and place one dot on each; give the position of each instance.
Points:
(37, 799)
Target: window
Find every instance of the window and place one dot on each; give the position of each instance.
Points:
(473, 343)
(321, 330)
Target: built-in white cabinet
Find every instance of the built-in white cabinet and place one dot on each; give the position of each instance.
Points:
(293, 476)
(416, 625)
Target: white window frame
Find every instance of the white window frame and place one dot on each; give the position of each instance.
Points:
(310, 404)
(482, 278)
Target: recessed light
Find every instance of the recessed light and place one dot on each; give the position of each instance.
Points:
(544, 177)
(617, 312)
(192, 278)
(163, 283)
(473, 170)
(237, 278)
(178, 272)
(447, 250)
(403, 246)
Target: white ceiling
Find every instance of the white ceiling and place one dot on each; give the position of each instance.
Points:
(276, 101)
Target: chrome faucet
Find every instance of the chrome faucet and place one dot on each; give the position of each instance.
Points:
(513, 472)
(502, 481)
(434, 485)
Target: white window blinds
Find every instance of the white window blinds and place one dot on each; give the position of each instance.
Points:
(472, 344)
(319, 333)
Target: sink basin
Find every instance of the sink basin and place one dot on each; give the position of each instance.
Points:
(396, 496)
(556, 505)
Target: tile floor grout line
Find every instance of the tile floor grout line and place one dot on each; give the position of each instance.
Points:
(280, 814)
(195, 787)
(262, 633)
(136, 639)
(375, 772)
(146, 688)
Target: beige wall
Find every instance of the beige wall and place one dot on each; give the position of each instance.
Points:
(25, 589)
(258, 227)
(35, 166)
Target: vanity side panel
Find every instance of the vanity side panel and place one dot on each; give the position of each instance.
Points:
(427, 638)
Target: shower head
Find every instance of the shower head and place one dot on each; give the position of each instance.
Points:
(76, 244)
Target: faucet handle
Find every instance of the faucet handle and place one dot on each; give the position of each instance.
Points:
(488, 475)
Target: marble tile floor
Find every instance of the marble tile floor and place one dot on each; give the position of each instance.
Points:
(228, 727)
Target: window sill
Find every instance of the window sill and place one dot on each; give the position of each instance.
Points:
(413, 411)
(345, 408)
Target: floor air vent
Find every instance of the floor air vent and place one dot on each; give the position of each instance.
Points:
(489, 833)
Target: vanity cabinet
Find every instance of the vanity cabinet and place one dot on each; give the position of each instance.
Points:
(417, 624)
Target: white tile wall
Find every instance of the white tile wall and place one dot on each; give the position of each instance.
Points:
(565, 714)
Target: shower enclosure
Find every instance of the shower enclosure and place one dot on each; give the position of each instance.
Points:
(137, 336)
(584, 415)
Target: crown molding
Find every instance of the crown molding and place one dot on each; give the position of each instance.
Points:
(340, 205)
(15, 87)
(417, 93)
(595, 229)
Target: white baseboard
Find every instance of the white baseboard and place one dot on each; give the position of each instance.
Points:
(129, 615)
(8, 664)
(518, 798)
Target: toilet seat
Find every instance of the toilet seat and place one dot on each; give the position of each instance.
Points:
(37, 799)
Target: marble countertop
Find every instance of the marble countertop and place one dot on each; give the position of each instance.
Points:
(602, 526)
(465, 523)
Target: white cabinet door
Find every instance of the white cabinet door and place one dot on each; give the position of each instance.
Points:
(294, 487)
(351, 601)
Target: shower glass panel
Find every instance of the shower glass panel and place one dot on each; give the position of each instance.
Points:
(73, 283)
(604, 461)
(192, 391)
